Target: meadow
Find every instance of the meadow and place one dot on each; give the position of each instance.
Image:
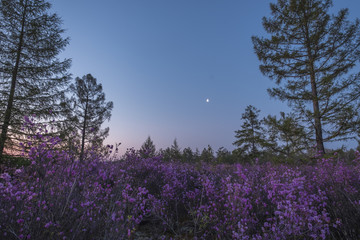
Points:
(58, 197)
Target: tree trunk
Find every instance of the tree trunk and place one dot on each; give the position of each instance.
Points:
(9, 106)
(84, 132)
(315, 100)
(317, 117)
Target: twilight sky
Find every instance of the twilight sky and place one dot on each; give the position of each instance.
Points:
(159, 60)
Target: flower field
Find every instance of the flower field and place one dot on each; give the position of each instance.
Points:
(56, 197)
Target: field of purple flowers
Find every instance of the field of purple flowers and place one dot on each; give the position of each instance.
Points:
(56, 197)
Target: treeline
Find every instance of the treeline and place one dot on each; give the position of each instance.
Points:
(256, 150)
(35, 83)
(311, 55)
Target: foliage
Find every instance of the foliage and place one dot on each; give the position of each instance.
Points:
(32, 78)
(89, 111)
(148, 149)
(173, 153)
(207, 155)
(250, 138)
(224, 156)
(310, 54)
(189, 156)
(59, 198)
(15, 161)
(286, 136)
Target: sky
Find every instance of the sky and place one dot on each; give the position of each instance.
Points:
(159, 60)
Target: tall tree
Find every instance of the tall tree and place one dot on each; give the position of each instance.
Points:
(32, 77)
(250, 137)
(309, 54)
(90, 111)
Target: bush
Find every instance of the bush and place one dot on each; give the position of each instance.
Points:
(58, 198)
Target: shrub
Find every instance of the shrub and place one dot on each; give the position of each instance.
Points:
(56, 197)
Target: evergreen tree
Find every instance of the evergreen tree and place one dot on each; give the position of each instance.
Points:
(175, 151)
(250, 138)
(188, 155)
(32, 78)
(224, 156)
(309, 54)
(147, 149)
(286, 136)
(172, 153)
(207, 155)
(90, 111)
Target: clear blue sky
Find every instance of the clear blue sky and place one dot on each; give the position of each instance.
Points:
(159, 60)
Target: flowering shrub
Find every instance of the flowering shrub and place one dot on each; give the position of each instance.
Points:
(56, 197)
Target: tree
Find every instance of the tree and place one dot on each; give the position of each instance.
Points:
(32, 77)
(147, 149)
(309, 54)
(90, 111)
(250, 138)
(207, 155)
(286, 136)
(172, 153)
(188, 155)
(224, 156)
(175, 151)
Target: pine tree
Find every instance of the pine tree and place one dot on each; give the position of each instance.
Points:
(250, 138)
(224, 156)
(147, 149)
(309, 54)
(90, 111)
(32, 78)
(207, 155)
(286, 136)
(175, 151)
(172, 153)
(188, 155)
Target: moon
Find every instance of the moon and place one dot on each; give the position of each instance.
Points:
(207, 100)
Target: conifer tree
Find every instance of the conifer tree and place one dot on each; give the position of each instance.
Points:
(188, 155)
(32, 78)
(172, 153)
(286, 136)
(207, 155)
(148, 149)
(310, 54)
(90, 111)
(250, 138)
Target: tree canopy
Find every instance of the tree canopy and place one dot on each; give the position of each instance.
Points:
(311, 55)
(32, 78)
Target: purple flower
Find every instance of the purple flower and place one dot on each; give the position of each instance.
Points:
(20, 221)
(47, 225)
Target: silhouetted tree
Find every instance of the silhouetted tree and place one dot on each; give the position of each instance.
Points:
(147, 149)
(188, 155)
(286, 136)
(207, 155)
(250, 138)
(309, 54)
(90, 111)
(224, 156)
(32, 77)
(172, 153)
